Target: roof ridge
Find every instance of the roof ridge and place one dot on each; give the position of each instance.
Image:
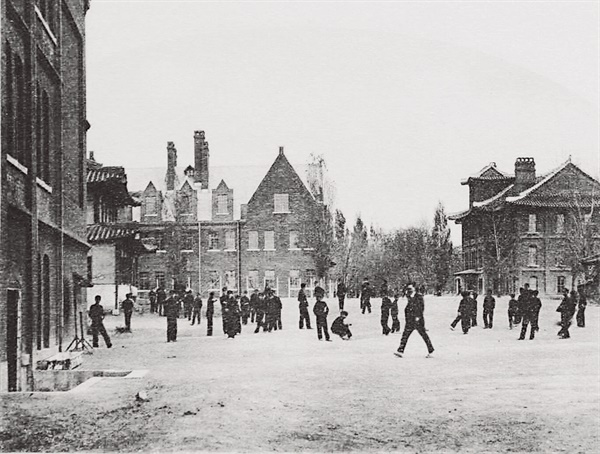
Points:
(540, 183)
(493, 198)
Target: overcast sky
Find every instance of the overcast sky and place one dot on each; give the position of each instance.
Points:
(403, 99)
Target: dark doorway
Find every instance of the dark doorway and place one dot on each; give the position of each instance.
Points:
(12, 336)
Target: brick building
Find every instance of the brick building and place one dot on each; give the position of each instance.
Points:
(43, 244)
(525, 228)
(234, 226)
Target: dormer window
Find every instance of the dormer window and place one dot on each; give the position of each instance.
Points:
(282, 203)
(151, 205)
(222, 204)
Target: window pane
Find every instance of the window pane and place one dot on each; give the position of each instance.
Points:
(269, 240)
(532, 223)
(560, 223)
(214, 281)
(150, 205)
(294, 279)
(532, 255)
(213, 240)
(281, 203)
(270, 278)
(293, 240)
(230, 240)
(230, 280)
(253, 280)
(222, 204)
(253, 240)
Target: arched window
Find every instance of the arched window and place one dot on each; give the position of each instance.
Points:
(45, 145)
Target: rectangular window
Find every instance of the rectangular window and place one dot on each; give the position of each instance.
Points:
(230, 240)
(159, 276)
(294, 240)
(213, 241)
(150, 205)
(160, 242)
(144, 280)
(253, 240)
(269, 240)
(533, 283)
(532, 228)
(560, 223)
(270, 279)
(187, 242)
(532, 260)
(214, 280)
(230, 280)
(222, 204)
(253, 280)
(560, 284)
(281, 202)
(294, 279)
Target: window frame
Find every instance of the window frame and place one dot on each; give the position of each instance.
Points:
(281, 203)
(220, 199)
(253, 234)
(271, 236)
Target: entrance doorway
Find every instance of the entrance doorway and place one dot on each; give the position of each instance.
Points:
(12, 337)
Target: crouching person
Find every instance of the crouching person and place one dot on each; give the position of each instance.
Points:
(340, 327)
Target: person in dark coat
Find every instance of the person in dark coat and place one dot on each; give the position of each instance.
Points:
(386, 305)
(261, 309)
(489, 304)
(365, 296)
(253, 304)
(474, 309)
(152, 297)
(188, 305)
(197, 309)
(245, 307)
(96, 314)
(535, 307)
(527, 315)
(463, 314)
(171, 311)
(270, 312)
(413, 313)
(341, 293)
(383, 290)
(321, 310)
(223, 300)
(161, 297)
(231, 316)
(303, 308)
(512, 310)
(394, 312)
(566, 309)
(340, 327)
(277, 308)
(581, 305)
(210, 311)
(127, 306)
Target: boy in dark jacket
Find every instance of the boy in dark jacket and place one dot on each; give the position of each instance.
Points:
(386, 305)
(512, 310)
(581, 305)
(394, 312)
(245, 307)
(489, 304)
(321, 310)
(210, 311)
(474, 309)
(413, 313)
(197, 309)
(340, 327)
(536, 306)
(463, 314)
(303, 307)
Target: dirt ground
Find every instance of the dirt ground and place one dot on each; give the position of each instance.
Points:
(286, 391)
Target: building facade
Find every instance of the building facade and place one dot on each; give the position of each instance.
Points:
(43, 244)
(525, 228)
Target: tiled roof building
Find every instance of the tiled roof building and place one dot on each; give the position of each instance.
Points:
(525, 228)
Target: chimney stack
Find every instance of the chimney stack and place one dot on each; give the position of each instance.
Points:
(201, 159)
(524, 173)
(171, 164)
(280, 151)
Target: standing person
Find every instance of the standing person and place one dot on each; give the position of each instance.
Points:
(269, 311)
(386, 305)
(340, 327)
(188, 305)
(210, 311)
(303, 307)
(536, 306)
(197, 309)
(566, 309)
(394, 312)
(96, 314)
(245, 307)
(383, 291)
(321, 310)
(253, 304)
(152, 297)
(277, 308)
(231, 315)
(489, 304)
(474, 309)
(161, 297)
(261, 309)
(223, 301)
(171, 311)
(581, 305)
(512, 310)
(365, 295)
(463, 314)
(413, 313)
(341, 293)
(526, 309)
(127, 306)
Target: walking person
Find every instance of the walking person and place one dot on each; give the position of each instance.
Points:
(463, 313)
(96, 314)
(566, 309)
(341, 293)
(512, 310)
(127, 306)
(197, 309)
(321, 310)
(365, 295)
(261, 309)
(489, 304)
(210, 311)
(270, 322)
(303, 308)
(413, 313)
(394, 312)
(340, 327)
(581, 305)
(171, 311)
(535, 307)
(386, 305)
(152, 297)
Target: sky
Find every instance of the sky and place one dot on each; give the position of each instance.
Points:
(402, 99)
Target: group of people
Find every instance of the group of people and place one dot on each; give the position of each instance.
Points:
(572, 301)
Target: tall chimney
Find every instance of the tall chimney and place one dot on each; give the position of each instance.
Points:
(171, 164)
(280, 151)
(201, 159)
(524, 173)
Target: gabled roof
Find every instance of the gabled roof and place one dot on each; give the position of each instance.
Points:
(222, 186)
(489, 172)
(111, 181)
